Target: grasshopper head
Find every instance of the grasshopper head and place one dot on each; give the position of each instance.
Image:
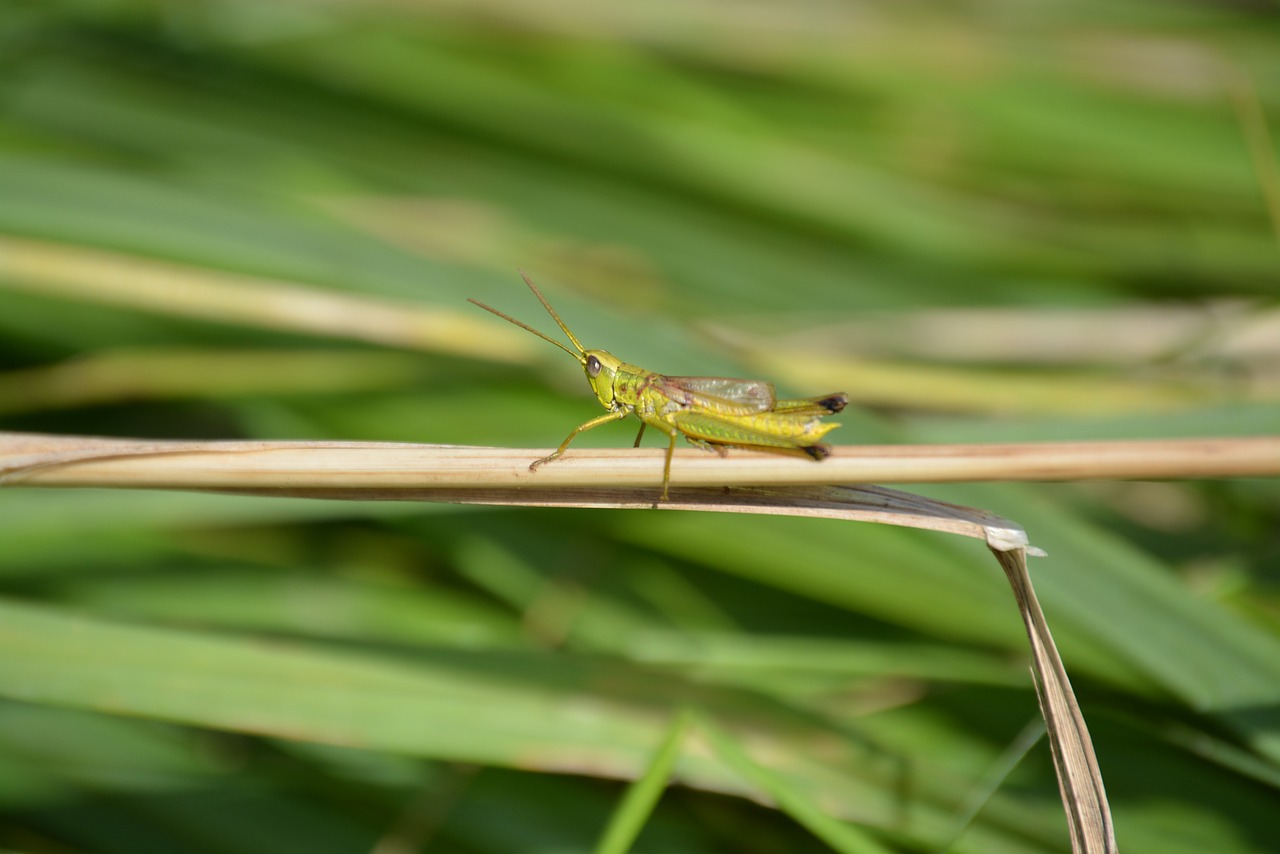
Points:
(601, 367)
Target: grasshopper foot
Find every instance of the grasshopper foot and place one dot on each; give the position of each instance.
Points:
(533, 466)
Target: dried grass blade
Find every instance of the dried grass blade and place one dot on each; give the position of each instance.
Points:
(1084, 797)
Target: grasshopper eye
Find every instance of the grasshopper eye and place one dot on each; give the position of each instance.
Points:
(593, 366)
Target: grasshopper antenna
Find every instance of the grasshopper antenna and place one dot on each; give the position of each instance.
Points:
(578, 356)
(551, 311)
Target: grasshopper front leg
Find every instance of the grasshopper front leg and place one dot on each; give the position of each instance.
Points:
(613, 415)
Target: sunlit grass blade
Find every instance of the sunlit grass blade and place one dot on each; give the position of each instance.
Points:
(842, 836)
(642, 795)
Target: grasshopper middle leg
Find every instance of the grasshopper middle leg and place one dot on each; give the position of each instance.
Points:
(673, 434)
(666, 465)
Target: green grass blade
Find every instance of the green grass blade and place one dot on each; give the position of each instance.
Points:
(842, 836)
(642, 796)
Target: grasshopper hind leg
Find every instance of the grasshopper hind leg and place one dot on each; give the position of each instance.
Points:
(833, 402)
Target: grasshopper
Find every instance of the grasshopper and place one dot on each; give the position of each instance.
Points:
(713, 413)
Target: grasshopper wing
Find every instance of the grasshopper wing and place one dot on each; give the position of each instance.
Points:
(722, 394)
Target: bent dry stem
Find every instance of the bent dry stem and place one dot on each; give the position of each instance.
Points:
(479, 475)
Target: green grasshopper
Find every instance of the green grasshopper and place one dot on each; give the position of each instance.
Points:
(713, 413)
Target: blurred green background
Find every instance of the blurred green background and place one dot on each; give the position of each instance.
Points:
(985, 221)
